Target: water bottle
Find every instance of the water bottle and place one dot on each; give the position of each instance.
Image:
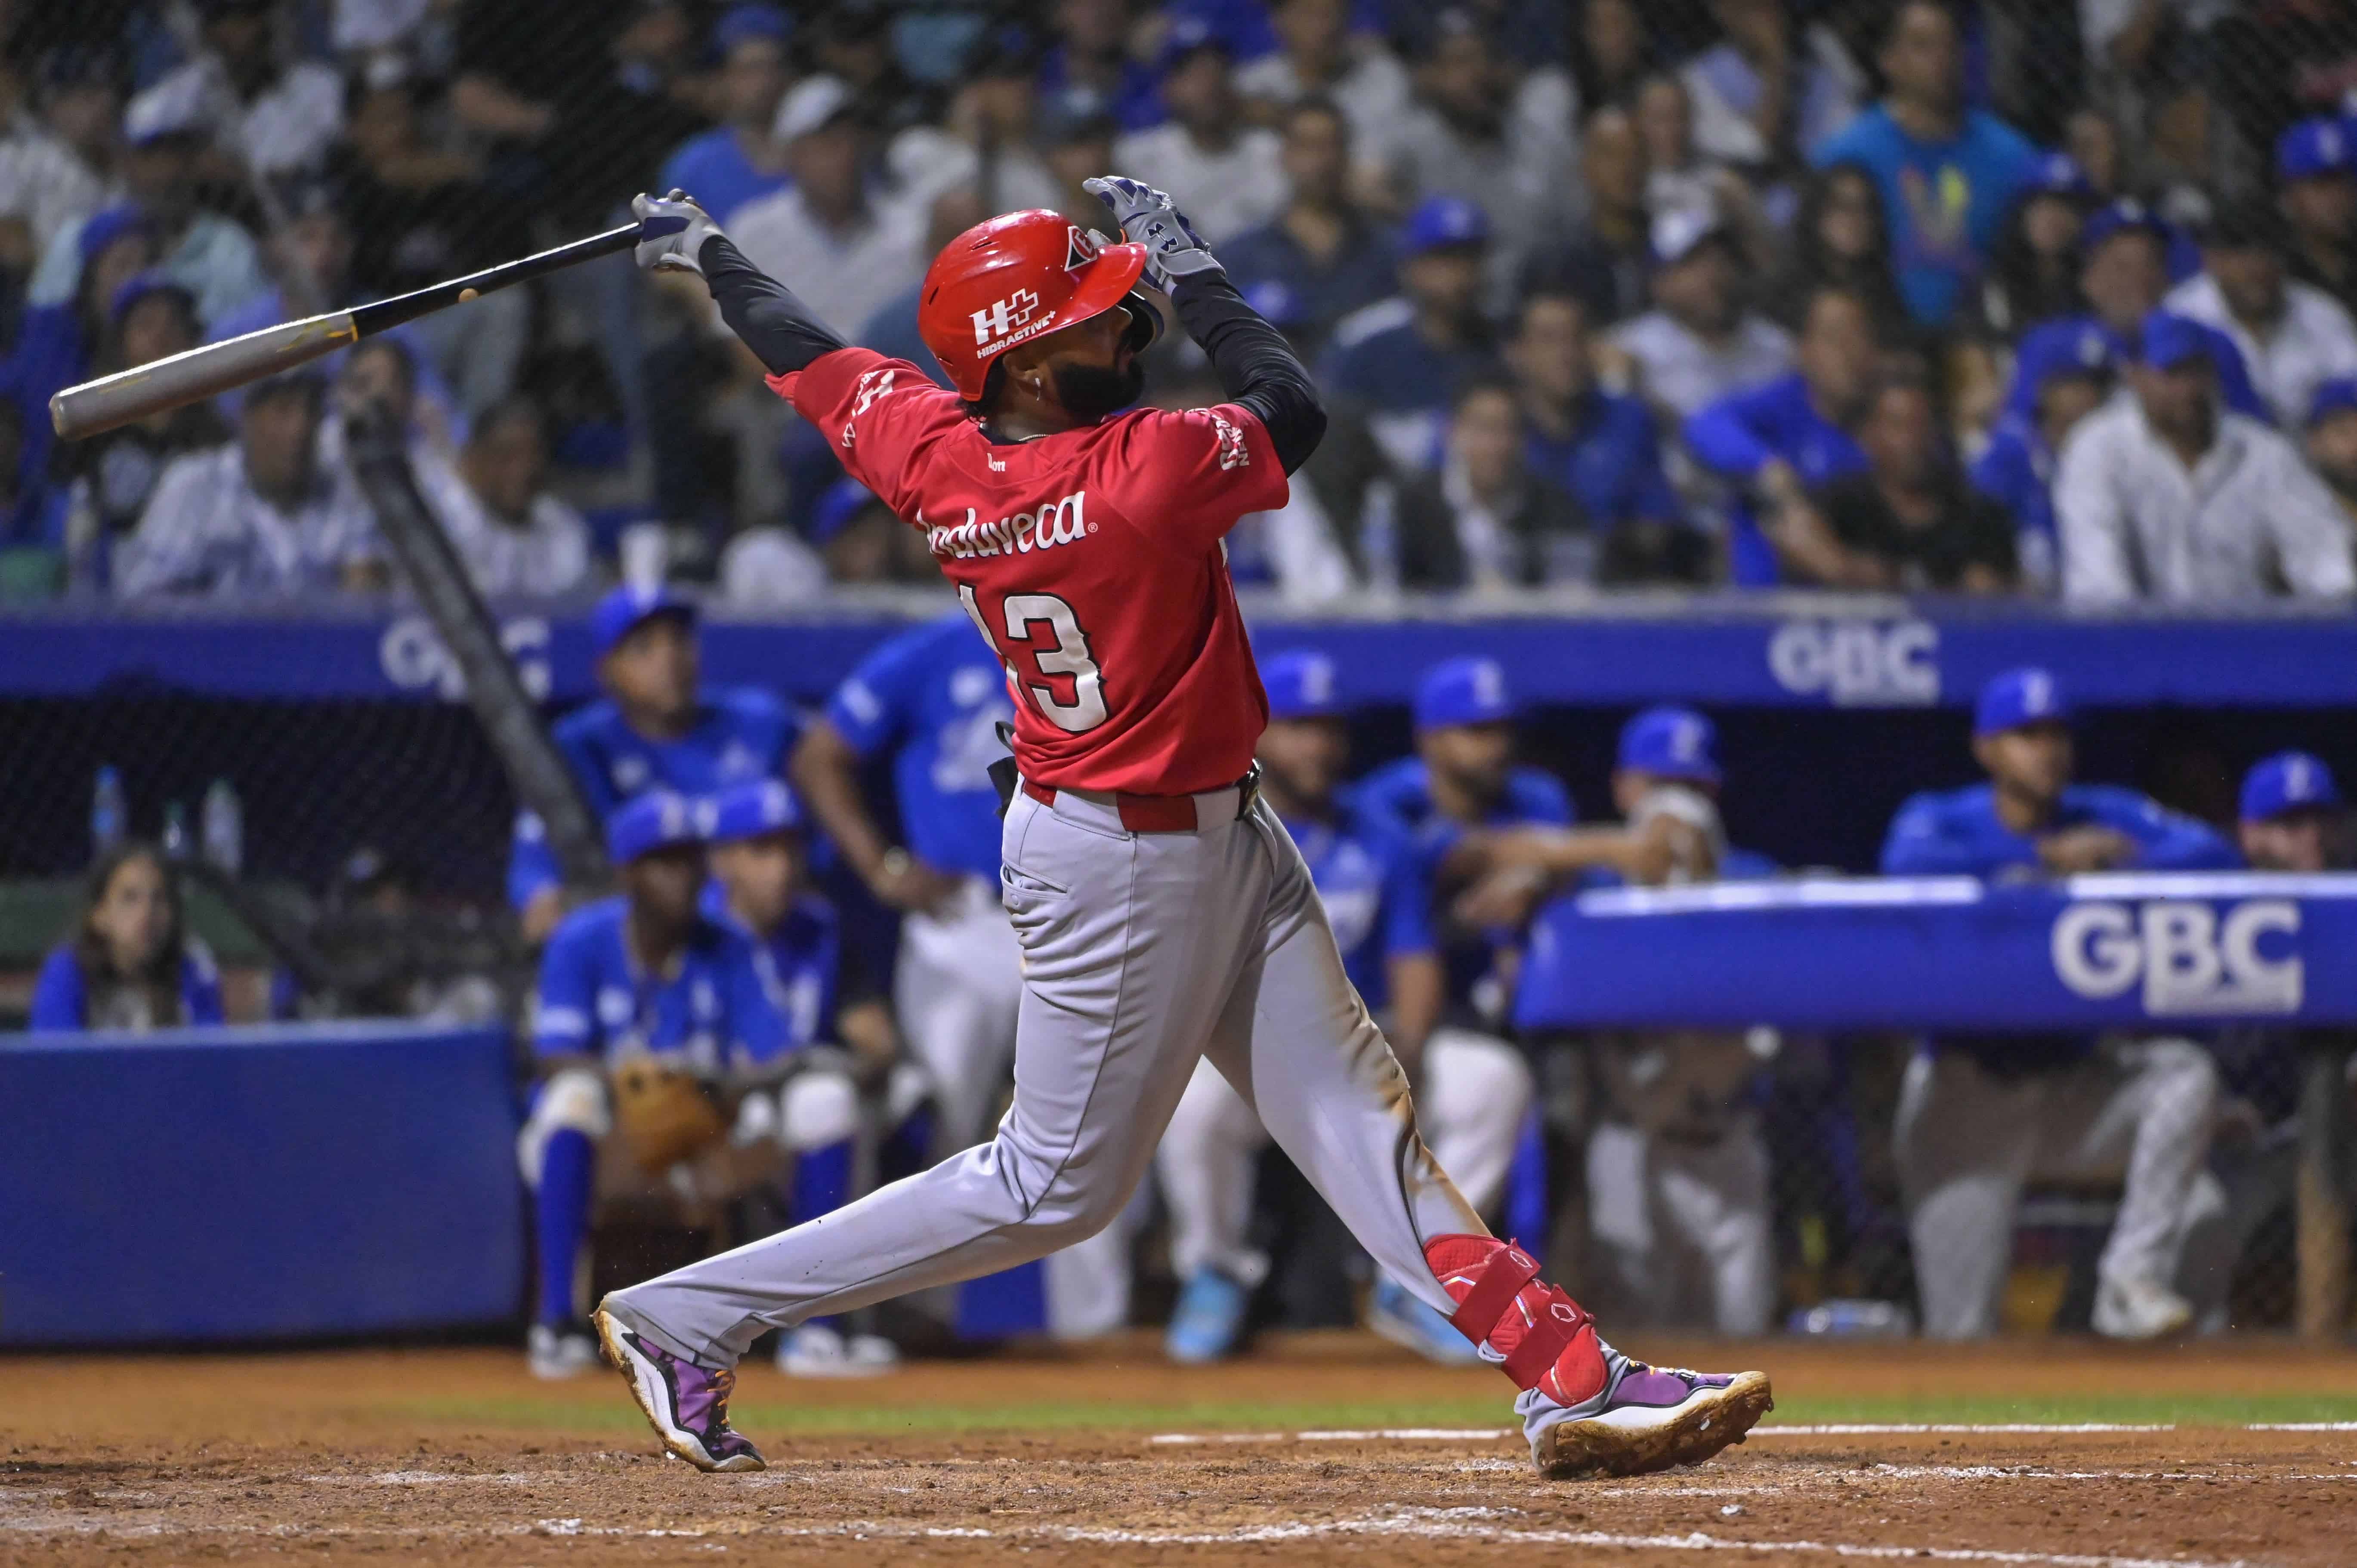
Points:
(176, 831)
(220, 822)
(108, 812)
(1854, 1319)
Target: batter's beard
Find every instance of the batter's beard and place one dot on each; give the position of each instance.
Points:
(1090, 393)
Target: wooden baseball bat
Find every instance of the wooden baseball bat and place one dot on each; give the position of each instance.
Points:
(213, 367)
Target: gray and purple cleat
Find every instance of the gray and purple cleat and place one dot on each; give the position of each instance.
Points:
(686, 1403)
(1646, 1419)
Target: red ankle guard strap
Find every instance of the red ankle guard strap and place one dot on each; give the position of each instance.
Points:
(1502, 1280)
(1558, 1323)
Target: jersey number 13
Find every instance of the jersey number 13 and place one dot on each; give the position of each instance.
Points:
(1070, 659)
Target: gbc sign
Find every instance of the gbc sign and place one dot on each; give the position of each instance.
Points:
(413, 657)
(1859, 663)
(2192, 963)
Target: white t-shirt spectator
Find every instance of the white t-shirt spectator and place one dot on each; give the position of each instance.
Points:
(289, 126)
(206, 533)
(845, 275)
(43, 181)
(1726, 91)
(2250, 519)
(2313, 342)
(1372, 94)
(1224, 191)
(547, 555)
(1679, 371)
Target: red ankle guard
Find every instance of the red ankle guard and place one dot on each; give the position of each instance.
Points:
(1548, 1342)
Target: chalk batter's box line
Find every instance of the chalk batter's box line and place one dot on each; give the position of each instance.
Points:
(1829, 1429)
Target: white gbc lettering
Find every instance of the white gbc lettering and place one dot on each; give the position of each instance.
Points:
(1859, 663)
(2191, 961)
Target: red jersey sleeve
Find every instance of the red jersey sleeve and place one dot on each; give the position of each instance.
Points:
(1196, 471)
(878, 414)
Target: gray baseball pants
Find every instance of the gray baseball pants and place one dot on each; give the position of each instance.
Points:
(1143, 953)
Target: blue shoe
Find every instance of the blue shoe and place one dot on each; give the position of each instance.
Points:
(1405, 1321)
(1209, 1320)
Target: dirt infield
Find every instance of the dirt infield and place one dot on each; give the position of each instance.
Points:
(1321, 1448)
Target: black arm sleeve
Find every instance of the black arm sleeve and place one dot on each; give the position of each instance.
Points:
(1255, 365)
(778, 327)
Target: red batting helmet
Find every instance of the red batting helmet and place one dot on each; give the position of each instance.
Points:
(1011, 279)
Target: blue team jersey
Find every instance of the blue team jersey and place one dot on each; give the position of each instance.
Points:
(62, 996)
(1380, 361)
(933, 699)
(742, 734)
(1399, 796)
(806, 973)
(1958, 833)
(594, 1000)
(1944, 200)
(1374, 894)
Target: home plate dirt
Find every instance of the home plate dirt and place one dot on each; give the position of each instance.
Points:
(454, 1456)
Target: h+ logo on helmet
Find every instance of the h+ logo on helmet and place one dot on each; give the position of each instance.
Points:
(1003, 318)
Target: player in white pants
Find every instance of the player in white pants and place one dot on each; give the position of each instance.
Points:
(1472, 1088)
(930, 701)
(1164, 914)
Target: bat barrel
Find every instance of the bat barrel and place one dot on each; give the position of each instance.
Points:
(131, 395)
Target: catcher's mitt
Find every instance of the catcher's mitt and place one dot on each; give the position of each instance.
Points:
(663, 1114)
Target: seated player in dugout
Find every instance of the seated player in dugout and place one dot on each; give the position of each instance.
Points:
(656, 1045)
(858, 1114)
(2292, 817)
(1472, 1088)
(1981, 1115)
(656, 726)
(1163, 910)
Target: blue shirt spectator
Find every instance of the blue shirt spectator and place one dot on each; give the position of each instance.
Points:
(2067, 376)
(1948, 174)
(652, 728)
(1319, 259)
(1791, 436)
(931, 700)
(1403, 360)
(1610, 458)
(719, 168)
(130, 962)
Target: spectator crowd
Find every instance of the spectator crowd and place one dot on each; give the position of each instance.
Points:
(1987, 297)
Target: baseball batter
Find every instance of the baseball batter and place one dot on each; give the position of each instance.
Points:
(1163, 913)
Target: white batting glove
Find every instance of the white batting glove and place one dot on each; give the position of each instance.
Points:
(671, 231)
(1148, 218)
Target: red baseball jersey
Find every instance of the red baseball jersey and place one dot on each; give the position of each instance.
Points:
(1090, 560)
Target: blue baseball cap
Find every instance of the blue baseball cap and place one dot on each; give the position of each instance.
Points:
(2123, 217)
(2018, 699)
(2338, 395)
(2287, 782)
(1671, 743)
(630, 607)
(2313, 148)
(1441, 221)
(1470, 690)
(749, 810)
(2087, 349)
(656, 820)
(2171, 340)
(1300, 686)
(744, 24)
(2058, 173)
(107, 225)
